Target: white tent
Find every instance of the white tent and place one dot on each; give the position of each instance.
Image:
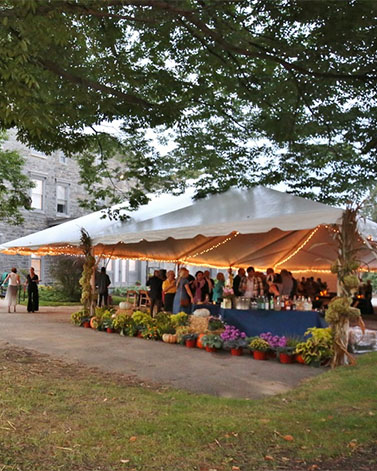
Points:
(259, 227)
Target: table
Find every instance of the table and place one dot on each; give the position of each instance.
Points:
(289, 323)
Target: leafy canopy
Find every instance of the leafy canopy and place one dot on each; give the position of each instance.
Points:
(14, 185)
(244, 92)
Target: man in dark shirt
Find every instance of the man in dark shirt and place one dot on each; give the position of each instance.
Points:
(103, 283)
(155, 291)
(237, 281)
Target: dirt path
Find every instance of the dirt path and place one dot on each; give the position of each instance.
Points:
(219, 374)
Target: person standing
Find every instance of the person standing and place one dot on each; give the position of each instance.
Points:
(32, 281)
(251, 285)
(103, 283)
(13, 280)
(155, 291)
(219, 288)
(169, 289)
(237, 280)
(183, 297)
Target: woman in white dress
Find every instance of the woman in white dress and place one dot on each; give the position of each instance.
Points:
(13, 283)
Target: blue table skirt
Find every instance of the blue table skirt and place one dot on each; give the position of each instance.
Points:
(291, 323)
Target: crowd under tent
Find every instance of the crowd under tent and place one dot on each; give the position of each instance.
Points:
(256, 227)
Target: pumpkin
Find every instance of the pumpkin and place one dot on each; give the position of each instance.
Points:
(93, 322)
(201, 312)
(199, 341)
(169, 338)
(124, 305)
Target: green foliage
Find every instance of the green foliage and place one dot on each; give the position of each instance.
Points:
(259, 72)
(318, 348)
(14, 185)
(259, 345)
(215, 324)
(340, 309)
(103, 318)
(125, 325)
(79, 317)
(179, 319)
(67, 272)
(142, 319)
(164, 324)
(212, 340)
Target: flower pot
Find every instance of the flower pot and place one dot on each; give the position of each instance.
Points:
(199, 341)
(139, 335)
(236, 351)
(259, 355)
(86, 325)
(211, 349)
(190, 343)
(109, 330)
(285, 358)
(300, 359)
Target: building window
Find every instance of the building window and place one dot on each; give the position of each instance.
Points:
(132, 265)
(124, 270)
(38, 153)
(37, 193)
(62, 198)
(116, 271)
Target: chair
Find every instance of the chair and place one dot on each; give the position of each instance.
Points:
(132, 297)
(144, 298)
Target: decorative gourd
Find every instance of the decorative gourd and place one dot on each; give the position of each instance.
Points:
(93, 322)
(201, 312)
(169, 338)
(124, 305)
(199, 341)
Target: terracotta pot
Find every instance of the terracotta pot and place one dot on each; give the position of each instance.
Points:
(139, 335)
(199, 341)
(191, 343)
(285, 358)
(109, 330)
(211, 349)
(236, 351)
(86, 325)
(259, 355)
(300, 359)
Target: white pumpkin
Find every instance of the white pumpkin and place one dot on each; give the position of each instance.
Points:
(201, 313)
(124, 305)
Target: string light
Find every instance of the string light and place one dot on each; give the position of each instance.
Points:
(298, 248)
(215, 246)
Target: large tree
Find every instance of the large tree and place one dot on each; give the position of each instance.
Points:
(244, 92)
(14, 185)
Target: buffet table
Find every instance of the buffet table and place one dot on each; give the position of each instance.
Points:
(290, 323)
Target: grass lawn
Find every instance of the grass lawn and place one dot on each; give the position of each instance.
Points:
(55, 416)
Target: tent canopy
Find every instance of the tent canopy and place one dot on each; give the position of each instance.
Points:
(259, 227)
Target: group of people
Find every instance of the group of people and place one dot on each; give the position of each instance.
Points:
(251, 284)
(179, 294)
(12, 281)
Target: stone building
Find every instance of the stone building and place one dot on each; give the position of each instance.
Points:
(55, 200)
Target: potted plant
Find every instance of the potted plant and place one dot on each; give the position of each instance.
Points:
(189, 339)
(287, 351)
(212, 342)
(234, 340)
(318, 349)
(214, 324)
(81, 318)
(259, 348)
(274, 341)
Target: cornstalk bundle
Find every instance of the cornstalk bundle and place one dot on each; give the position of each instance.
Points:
(340, 312)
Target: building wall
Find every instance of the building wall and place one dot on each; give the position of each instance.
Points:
(54, 171)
